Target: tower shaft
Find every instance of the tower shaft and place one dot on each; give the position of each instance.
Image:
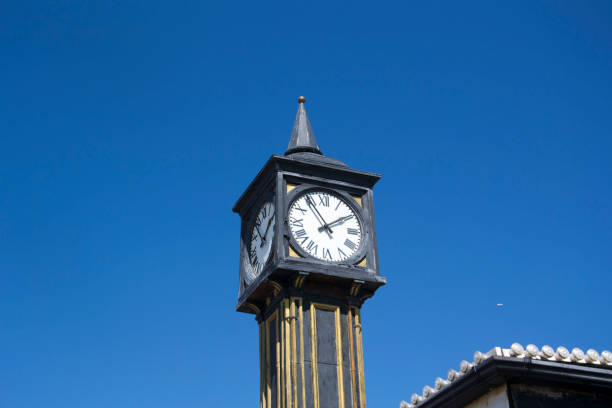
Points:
(311, 354)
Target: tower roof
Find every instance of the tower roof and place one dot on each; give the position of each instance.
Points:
(302, 137)
(529, 364)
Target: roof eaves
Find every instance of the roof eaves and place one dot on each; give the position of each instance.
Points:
(499, 365)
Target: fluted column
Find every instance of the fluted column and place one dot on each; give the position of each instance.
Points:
(311, 354)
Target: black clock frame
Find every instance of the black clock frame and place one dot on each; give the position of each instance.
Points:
(247, 227)
(306, 188)
(320, 173)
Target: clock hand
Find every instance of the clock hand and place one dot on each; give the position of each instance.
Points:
(338, 221)
(267, 228)
(318, 216)
(259, 233)
(314, 210)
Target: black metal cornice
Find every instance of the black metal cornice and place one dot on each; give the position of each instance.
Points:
(329, 168)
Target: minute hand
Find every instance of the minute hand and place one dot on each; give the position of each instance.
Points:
(319, 216)
(338, 221)
(267, 228)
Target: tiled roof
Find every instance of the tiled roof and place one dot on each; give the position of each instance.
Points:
(547, 353)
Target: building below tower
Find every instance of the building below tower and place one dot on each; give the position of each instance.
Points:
(524, 378)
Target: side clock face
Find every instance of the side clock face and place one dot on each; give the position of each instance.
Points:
(325, 226)
(261, 237)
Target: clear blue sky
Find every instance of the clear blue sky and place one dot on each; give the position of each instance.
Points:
(129, 129)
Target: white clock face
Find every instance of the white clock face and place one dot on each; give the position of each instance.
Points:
(325, 226)
(261, 237)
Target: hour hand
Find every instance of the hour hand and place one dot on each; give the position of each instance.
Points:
(336, 222)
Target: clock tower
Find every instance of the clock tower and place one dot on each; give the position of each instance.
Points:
(308, 261)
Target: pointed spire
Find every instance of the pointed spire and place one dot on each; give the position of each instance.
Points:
(302, 137)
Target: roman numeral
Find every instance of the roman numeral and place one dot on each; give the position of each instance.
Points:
(253, 259)
(352, 231)
(312, 247)
(296, 222)
(341, 254)
(297, 207)
(326, 254)
(324, 200)
(339, 202)
(350, 244)
(264, 212)
(300, 235)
